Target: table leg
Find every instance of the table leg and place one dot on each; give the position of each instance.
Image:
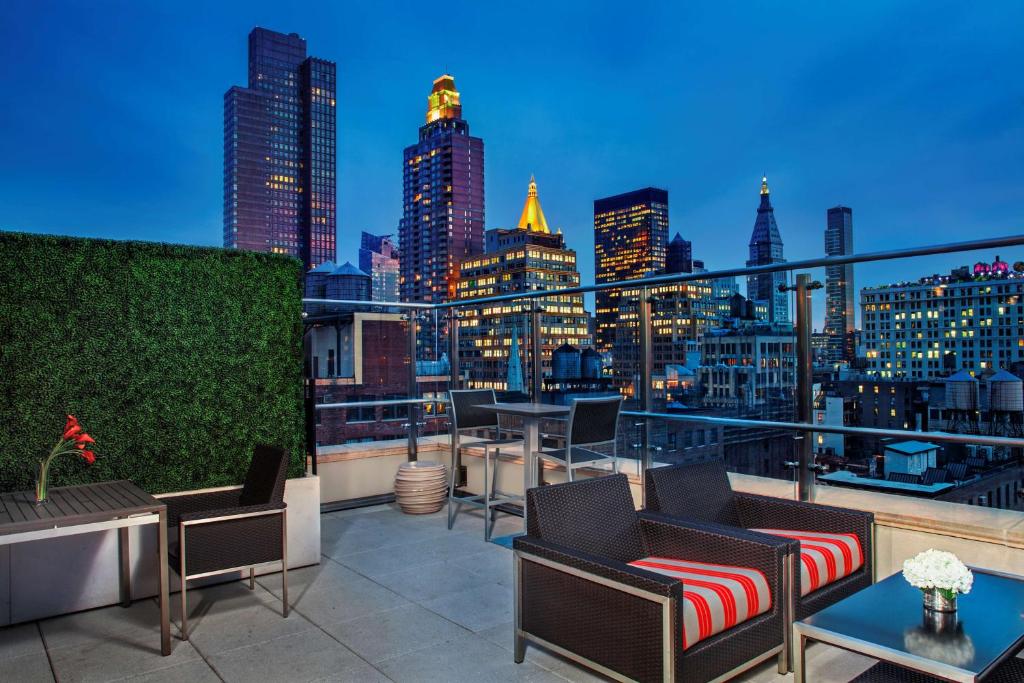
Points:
(126, 566)
(799, 662)
(531, 443)
(162, 587)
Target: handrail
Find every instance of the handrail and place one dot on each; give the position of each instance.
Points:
(382, 402)
(942, 437)
(674, 278)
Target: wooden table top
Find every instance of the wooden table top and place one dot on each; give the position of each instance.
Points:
(527, 409)
(74, 505)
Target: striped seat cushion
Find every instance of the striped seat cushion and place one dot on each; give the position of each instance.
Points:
(824, 558)
(715, 596)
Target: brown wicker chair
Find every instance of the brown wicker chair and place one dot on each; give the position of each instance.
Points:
(577, 594)
(232, 529)
(701, 492)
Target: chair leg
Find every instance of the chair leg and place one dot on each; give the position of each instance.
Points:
(252, 578)
(487, 496)
(284, 562)
(184, 610)
(451, 487)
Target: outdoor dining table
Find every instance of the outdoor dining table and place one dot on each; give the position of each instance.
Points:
(71, 510)
(531, 414)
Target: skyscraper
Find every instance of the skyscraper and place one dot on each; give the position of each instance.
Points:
(279, 152)
(526, 258)
(630, 240)
(443, 208)
(679, 258)
(378, 256)
(766, 248)
(839, 309)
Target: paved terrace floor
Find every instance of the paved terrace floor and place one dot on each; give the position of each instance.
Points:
(396, 597)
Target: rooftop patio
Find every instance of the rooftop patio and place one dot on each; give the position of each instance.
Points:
(395, 597)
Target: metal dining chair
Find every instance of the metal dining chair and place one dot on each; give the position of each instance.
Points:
(466, 416)
(593, 422)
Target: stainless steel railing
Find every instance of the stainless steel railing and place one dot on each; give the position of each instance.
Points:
(642, 287)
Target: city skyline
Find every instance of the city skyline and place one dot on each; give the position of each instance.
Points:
(933, 154)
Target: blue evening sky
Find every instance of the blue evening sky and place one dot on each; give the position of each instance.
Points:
(911, 113)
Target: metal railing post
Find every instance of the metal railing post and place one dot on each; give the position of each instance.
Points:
(645, 380)
(536, 354)
(453, 349)
(804, 379)
(413, 389)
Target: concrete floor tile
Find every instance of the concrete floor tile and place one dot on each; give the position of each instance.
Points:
(311, 656)
(106, 658)
(476, 609)
(192, 672)
(375, 563)
(502, 636)
(428, 582)
(142, 617)
(329, 593)
(466, 657)
(392, 633)
(33, 668)
(230, 615)
(20, 640)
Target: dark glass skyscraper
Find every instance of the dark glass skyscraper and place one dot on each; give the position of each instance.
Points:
(279, 152)
(443, 207)
(679, 258)
(766, 248)
(839, 310)
(630, 239)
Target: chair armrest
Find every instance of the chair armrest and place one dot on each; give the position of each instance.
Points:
(231, 513)
(612, 570)
(718, 544)
(767, 512)
(189, 503)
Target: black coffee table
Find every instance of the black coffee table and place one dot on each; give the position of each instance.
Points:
(886, 621)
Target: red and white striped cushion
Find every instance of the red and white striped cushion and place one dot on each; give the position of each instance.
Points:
(715, 596)
(824, 558)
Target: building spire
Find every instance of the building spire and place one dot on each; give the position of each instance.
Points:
(532, 218)
(764, 184)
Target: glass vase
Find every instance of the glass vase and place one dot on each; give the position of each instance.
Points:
(41, 484)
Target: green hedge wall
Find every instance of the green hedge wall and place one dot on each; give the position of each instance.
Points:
(176, 359)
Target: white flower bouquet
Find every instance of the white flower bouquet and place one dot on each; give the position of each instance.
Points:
(940, 571)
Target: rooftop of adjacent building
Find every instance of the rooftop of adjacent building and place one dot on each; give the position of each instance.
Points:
(980, 273)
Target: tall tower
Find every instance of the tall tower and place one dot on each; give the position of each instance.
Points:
(766, 248)
(443, 207)
(630, 240)
(279, 152)
(679, 258)
(839, 285)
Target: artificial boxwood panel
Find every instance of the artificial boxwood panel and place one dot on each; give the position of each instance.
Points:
(177, 359)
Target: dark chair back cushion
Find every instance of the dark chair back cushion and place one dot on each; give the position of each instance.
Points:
(466, 415)
(264, 483)
(594, 420)
(699, 491)
(594, 516)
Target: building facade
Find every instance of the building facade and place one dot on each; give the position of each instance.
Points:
(378, 256)
(839, 310)
(523, 259)
(679, 256)
(971, 319)
(765, 249)
(630, 242)
(279, 152)
(443, 206)
(751, 365)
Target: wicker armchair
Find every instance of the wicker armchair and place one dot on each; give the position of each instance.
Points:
(702, 493)
(225, 530)
(577, 593)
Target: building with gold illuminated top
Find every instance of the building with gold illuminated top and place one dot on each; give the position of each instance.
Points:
(443, 206)
(526, 258)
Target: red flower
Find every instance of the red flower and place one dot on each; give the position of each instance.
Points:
(71, 427)
(89, 456)
(82, 439)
